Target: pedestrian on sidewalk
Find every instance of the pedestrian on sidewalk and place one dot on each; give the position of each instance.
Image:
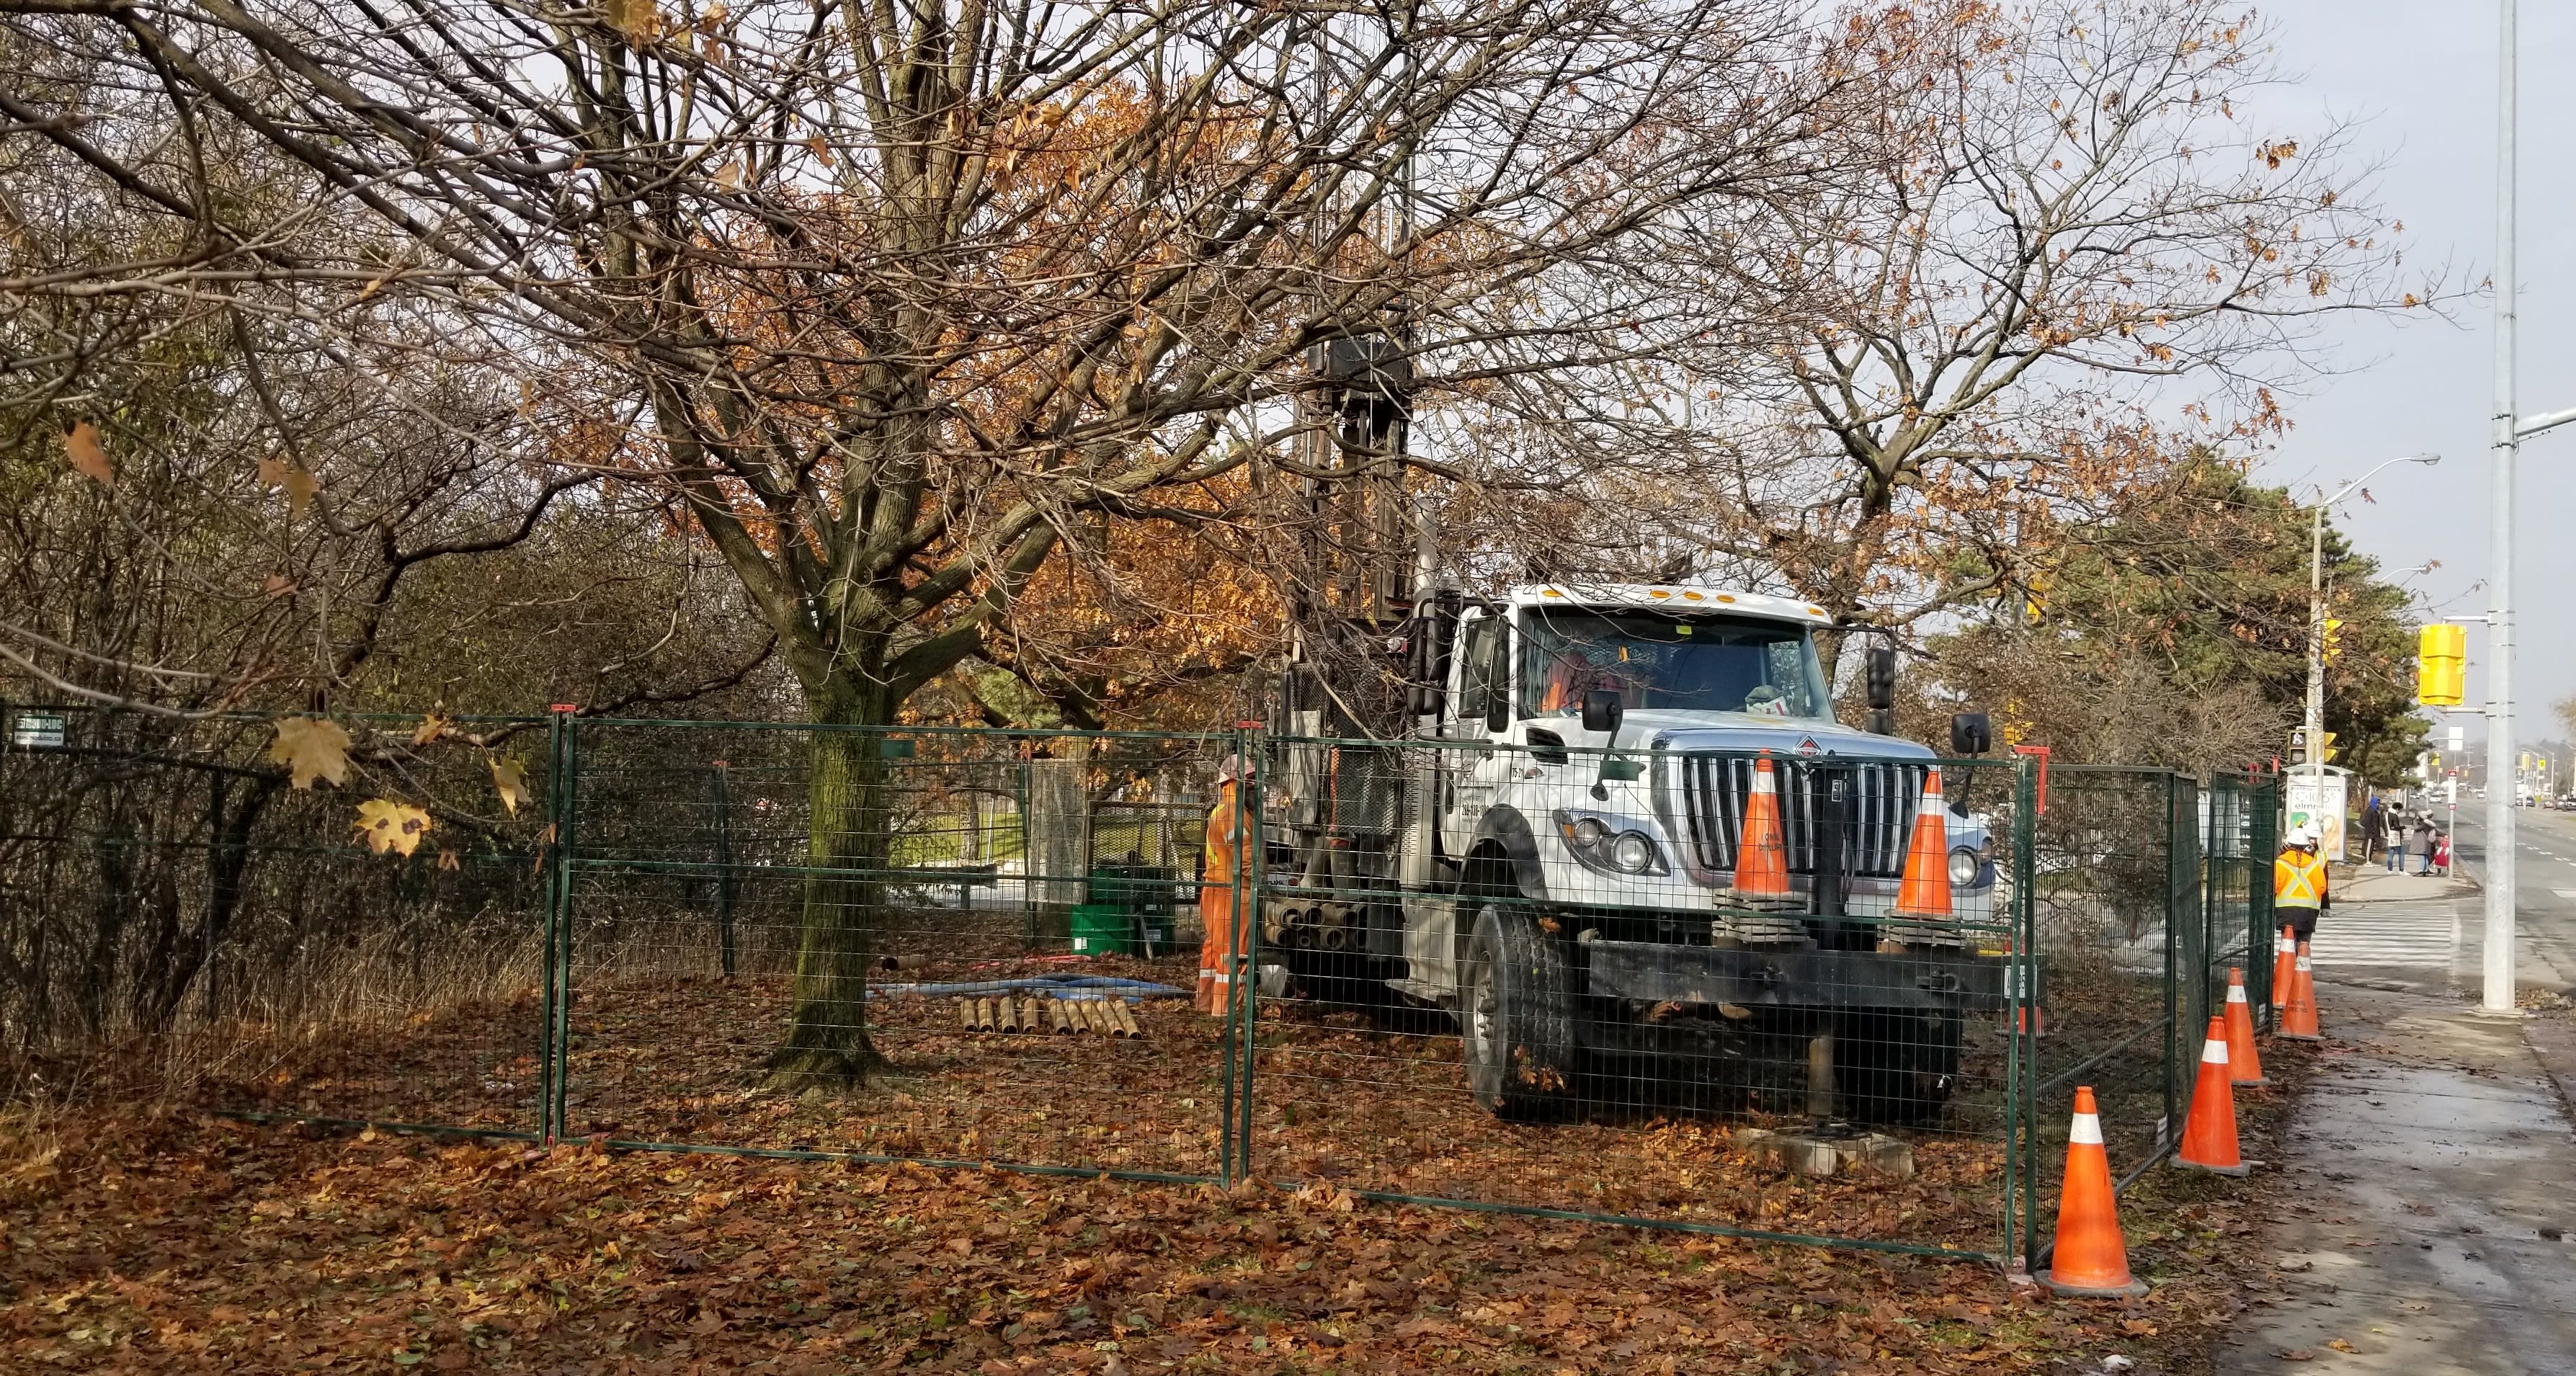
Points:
(2299, 884)
(2442, 853)
(2396, 840)
(2424, 833)
(2374, 829)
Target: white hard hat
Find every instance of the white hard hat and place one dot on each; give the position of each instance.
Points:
(2303, 836)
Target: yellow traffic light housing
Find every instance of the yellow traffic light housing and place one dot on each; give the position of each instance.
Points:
(2334, 638)
(2442, 665)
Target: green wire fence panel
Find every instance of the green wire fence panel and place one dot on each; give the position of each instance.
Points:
(2114, 919)
(168, 895)
(1706, 987)
(926, 943)
(1786, 992)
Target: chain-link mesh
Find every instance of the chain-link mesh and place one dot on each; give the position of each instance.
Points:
(992, 939)
(165, 893)
(1791, 993)
(1711, 987)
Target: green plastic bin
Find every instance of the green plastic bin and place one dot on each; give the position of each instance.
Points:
(1103, 929)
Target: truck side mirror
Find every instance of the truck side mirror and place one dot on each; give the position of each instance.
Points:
(1881, 662)
(1602, 710)
(1971, 734)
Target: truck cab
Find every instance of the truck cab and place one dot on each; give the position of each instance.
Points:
(1708, 680)
(1551, 851)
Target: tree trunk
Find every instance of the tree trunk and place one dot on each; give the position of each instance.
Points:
(851, 843)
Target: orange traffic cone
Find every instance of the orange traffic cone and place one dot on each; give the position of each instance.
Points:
(2244, 1067)
(1762, 858)
(1925, 889)
(2209, 1134)
(2090, 1259)
(2299, 1015)
(2285, 954)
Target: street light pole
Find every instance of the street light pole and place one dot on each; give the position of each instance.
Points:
(2498, 994)
(2315, 754)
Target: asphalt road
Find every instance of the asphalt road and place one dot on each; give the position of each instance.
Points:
(2545, 883)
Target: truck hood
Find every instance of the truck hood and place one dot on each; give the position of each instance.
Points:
(1670, 730)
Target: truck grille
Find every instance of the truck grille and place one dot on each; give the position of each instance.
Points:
(1883, 798)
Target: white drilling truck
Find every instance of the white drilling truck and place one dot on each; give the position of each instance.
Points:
(1544, 842)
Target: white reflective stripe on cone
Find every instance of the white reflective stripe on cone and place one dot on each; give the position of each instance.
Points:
(2236, 993)
(2087, 1131)
(2302, 965)
(2213, 1051)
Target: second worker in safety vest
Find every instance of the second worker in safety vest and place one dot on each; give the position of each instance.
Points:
(2299, 884)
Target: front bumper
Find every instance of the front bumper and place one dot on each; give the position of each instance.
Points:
(1654, 973)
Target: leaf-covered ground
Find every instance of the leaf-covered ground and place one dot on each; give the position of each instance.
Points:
(184, 1242)
(187, 1240)
(1340, 1098)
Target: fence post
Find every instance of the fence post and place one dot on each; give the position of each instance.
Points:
(1250, 799)
(724, 866)
(2262, 803)
(550, 853)
(2021, 1046)
(559, 958)
(2183, 953)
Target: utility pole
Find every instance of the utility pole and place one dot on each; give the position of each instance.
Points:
(2499, 877)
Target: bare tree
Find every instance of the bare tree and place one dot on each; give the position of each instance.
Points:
(891, 299)
(2058, 260)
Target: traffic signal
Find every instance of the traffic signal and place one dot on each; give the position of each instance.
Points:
(2334, 638)
(2442, 665)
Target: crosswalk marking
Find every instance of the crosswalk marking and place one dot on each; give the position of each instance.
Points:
(2564, 893)
(2386, 934)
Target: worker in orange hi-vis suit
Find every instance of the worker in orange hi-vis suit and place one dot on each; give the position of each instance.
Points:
(1219, 907)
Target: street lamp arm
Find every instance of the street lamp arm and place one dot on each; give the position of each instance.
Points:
(2551, 420)
(2348, 488)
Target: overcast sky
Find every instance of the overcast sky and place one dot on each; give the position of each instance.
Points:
(2419, 77)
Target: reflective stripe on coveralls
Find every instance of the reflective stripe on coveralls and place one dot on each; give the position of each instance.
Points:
(2298, 880)
(1223, 916)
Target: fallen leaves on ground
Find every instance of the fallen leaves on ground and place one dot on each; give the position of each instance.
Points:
(190, 1243)
(196, 1242)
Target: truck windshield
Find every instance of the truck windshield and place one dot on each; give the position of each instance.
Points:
(1684, 663)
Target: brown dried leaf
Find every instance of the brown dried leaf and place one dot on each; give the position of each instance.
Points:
(447, 859)
(300, 487)
(385, 825)
(276, 473)
(278, 585)
(88, 456)
(311, 748)
(510, 780)
(431, 728)
(637, 19)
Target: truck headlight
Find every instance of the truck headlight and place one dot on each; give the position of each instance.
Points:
(1632, 852)
(1963, 866)
(1604, 845)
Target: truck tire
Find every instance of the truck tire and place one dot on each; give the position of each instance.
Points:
(1516, 1019)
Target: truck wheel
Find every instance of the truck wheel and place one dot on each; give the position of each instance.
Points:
(1516, 1020)
(1896, 1065)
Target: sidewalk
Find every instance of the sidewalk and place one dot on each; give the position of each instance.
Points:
(2377, 884)
(2424, 1221)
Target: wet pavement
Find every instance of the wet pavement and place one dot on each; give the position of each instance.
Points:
(2429, 1197)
